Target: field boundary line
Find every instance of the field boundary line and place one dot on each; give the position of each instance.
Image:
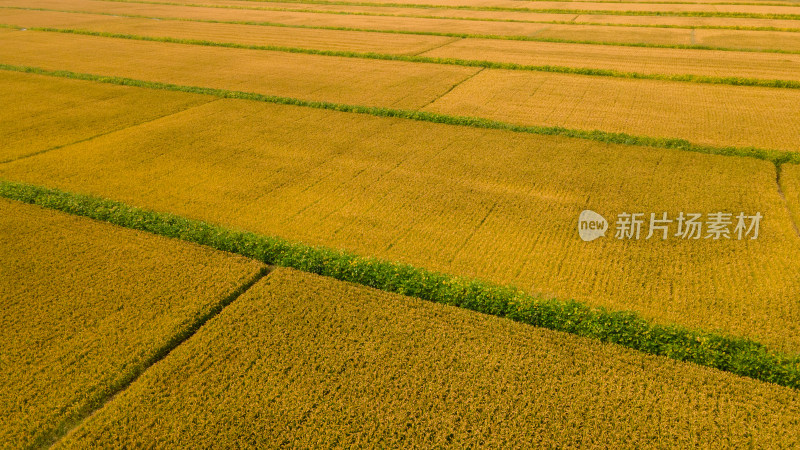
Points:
(567, 70)
(732, 14)
(80, 141)
(430, 33)
(52, 436)
(477, 19)
(737, 355)
(792, 218)
(436, 47)
(450, 89)
(776, 156)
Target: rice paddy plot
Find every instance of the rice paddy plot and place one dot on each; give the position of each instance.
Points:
(40, 113)
(465, 201)
(790, 183)
(654, 108)
(310, 361)
(773, 66)
(21, 17)
(763, 40)
(353, 41)
(513, 8)
(86, 306)
(310, 77)
(595, 33)
(688, 21)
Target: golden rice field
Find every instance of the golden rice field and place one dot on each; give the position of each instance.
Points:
(628, 59)
(87, 305)
(735, 39)
(480, 204)
(662, 109)
(332, 40)
(432, 158)
(317, 78)
(344, 364)
(690, 111)
(790, 183)
(65, 112)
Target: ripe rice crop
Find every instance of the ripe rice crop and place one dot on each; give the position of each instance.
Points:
(749, 39)
(687, 21)
(354, 41)
(515, 9)
(86, 307)
(626, 59)
(366, 82)
(41, 113)
(643, 107)
(790, 183)
(309, 361)
(554, 100)
(500, 216)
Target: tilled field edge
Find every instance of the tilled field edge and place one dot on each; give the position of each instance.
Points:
(775, 156)
(689, 78)
(732, 354)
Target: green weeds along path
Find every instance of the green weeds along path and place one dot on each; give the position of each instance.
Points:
(733, 81)
(775, 156)
(739, 356)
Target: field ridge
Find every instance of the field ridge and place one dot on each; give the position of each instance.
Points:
(737, 355)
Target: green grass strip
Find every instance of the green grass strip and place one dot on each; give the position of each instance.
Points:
(775, 156)
(737, 355)
(741, 15)
(476, 19)
(420, 33)
(587, 71)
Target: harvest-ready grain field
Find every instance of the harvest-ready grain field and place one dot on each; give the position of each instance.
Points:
(496, 223)
(351, 365)
(86, 306)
